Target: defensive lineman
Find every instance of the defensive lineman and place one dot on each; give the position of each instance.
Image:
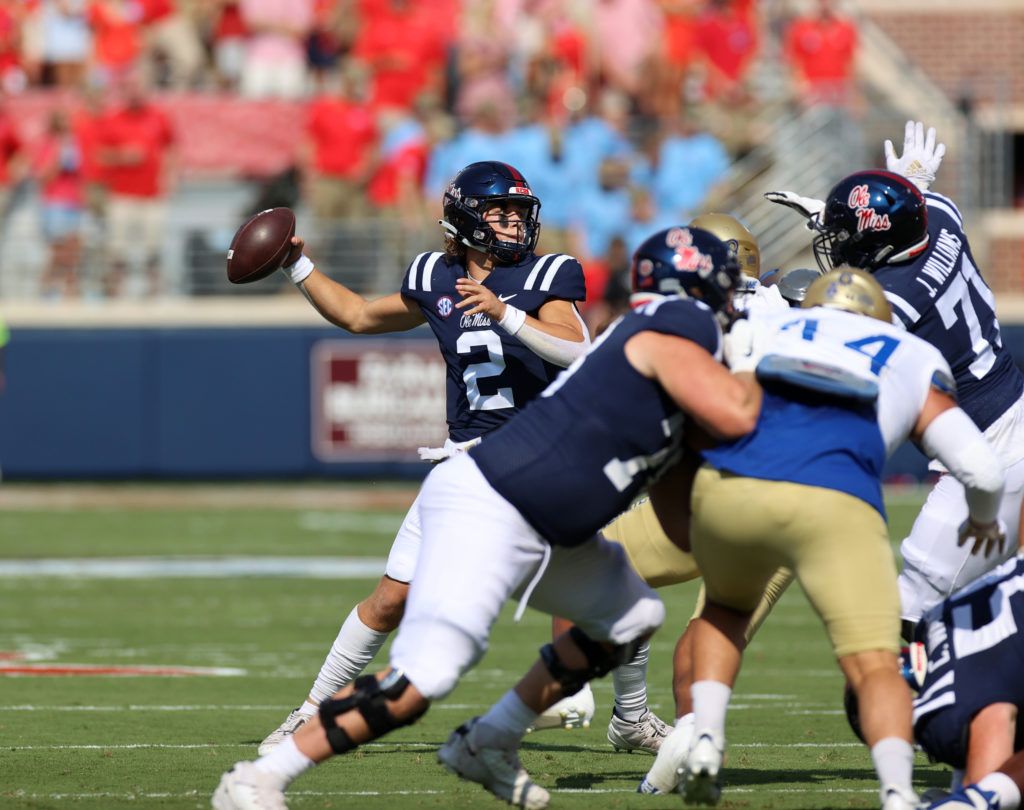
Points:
(841, 392)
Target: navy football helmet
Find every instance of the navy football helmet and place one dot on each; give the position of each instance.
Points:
(475, 189)
(871, 218)
(689, 261)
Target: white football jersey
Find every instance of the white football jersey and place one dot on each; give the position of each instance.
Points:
(839, 345)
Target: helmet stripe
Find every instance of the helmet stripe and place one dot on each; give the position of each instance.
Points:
(516, 174)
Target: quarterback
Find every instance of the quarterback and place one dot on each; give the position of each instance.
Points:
(506, 323)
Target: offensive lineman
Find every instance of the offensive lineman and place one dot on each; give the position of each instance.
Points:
(841, 392)
(495, 523)
(913, 243)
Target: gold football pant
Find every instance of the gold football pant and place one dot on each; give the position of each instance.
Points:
(661, 562)
(744, 529)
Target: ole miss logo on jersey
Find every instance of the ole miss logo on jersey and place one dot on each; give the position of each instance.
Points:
(867, 220)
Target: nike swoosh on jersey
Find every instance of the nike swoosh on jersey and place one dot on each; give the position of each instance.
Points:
(504, 298)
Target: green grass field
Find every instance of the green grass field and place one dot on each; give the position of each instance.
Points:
(90, 741)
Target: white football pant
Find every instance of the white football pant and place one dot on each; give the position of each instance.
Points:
(477, 551)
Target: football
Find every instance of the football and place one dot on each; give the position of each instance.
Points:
(260, 246)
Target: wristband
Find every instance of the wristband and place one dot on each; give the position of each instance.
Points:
(513, 319)
(301, 270)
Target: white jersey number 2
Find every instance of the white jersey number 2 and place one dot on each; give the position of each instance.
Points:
(474, 372)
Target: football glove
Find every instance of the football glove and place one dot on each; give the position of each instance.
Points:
(738, 347)
(985, 538)
(436, 455)
(921, 157)
(807, 207)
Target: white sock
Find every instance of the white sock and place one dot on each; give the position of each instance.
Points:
(505, 723)
(285, 761)
(894, 763)
(710, 702)
(352, 651)
(308, 709)
(1004, 787)
(686, 720)
(630, 682)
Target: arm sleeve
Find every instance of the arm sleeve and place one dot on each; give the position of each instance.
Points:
(555, 350)
(955, 440)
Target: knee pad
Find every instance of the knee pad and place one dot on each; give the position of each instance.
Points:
(370, 700)
(600, 660)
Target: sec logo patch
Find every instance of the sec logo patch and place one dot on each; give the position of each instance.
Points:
(445, 307)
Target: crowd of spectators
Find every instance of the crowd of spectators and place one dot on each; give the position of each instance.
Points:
(603, 104)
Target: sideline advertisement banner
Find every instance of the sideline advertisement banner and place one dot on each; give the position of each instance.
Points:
(376, 400)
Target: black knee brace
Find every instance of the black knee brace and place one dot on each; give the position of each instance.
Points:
(600, 661)
(370, 700)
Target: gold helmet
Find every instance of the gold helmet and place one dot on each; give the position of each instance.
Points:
(849, 289)
(731, 230)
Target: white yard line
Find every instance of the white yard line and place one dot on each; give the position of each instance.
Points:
(760, 790)
(196, 567)
(412, 746)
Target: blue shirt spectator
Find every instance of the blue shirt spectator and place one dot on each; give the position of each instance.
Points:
(603, 211)
(689, 165)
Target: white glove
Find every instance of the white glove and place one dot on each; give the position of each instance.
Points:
(738, 346)
(921, 157)
(439, 454)
(767, 299)
(986, 538)
(808, 207)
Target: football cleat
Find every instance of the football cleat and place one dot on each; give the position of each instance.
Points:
(698, 778)
(663, 776)
(292, 723)
(245, 788)
(575, 711)
(894, 798)
(645, 734)
(969, 797)
(497, 769)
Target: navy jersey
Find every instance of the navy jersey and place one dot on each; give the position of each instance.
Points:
(578, 456)
(491, 374)
(941, 297)
(975, 656)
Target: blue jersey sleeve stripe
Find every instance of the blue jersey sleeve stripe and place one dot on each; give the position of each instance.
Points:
(947, 206)
(549, 276)
(537, 267)
(428, 270)
(413, 269)
(903, 308)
